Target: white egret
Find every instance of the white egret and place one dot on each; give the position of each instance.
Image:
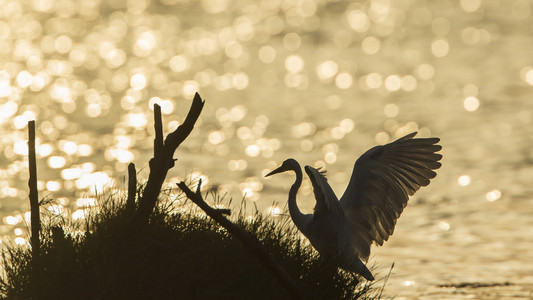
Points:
(383, 178)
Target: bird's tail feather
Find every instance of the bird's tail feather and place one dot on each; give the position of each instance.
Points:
(359, 268)
(365, 272)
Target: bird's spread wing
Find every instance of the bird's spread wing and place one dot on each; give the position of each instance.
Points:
(383, 179)
(326, 200)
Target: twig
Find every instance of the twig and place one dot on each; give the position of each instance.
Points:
(132, 187)
(224, 211)
(34, 194)
(250, 242)
(163, 156)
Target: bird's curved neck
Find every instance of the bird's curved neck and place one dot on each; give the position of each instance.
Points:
(296, 215)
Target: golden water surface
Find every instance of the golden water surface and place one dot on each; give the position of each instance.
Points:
(320, 81)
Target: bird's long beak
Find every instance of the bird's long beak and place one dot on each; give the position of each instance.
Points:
(276, 171)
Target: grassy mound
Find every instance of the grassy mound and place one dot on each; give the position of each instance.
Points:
(177, 256)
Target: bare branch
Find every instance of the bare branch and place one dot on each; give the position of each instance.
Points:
(250, 242)
(132, 187)
(35, 219)
(224, 211)
(174, 139)
(34, 194)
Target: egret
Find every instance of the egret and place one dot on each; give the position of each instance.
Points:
(383, 178)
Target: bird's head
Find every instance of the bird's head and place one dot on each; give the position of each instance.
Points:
(288, 165)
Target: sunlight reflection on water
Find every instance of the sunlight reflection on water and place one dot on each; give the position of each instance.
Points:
(317, 80)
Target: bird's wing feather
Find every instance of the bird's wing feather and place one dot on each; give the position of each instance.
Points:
(382, 180)
(326, 200)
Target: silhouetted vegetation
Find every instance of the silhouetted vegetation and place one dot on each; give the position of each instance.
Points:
(151, 250)
(177, 256)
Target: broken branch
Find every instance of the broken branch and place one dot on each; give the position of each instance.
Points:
(132, 187)
(34, 194)
(158, 126)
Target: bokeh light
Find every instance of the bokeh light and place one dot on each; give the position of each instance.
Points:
(320, 81)
(471, 103)
(464, 180)
(493, 195)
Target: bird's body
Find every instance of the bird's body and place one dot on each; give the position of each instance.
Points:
(383, 178)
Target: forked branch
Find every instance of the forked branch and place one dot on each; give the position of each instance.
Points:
(163, 156)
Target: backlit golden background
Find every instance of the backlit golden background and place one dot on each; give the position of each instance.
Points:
(320, 81)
